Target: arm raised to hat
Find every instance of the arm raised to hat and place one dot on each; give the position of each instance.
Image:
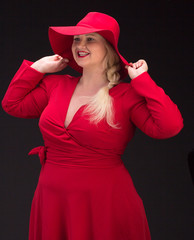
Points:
(29, 91)
(149, 107)
(50, 64)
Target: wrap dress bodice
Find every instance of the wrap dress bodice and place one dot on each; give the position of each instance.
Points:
(84, 190)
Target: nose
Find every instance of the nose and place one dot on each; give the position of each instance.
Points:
(82, 43)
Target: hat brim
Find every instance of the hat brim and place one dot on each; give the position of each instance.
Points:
(61, 39)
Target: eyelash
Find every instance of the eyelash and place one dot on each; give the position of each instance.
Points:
(76, 39)
(89, 39)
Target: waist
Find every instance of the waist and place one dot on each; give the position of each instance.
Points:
(82, 159)
(77, 157)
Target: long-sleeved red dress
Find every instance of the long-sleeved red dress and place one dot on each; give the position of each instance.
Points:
(84, 191)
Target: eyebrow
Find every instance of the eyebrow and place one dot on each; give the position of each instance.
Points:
(89, 34)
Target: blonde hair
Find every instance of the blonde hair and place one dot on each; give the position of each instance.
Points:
(100, 106)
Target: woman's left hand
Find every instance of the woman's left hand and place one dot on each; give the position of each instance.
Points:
(137, 68)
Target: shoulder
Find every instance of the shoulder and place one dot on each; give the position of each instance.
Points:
(121, 89)
(51, 81)
(127, 95)
(141, 82)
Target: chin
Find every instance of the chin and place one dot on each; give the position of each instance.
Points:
(83, 64)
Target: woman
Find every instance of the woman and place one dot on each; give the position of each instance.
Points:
(84, 190)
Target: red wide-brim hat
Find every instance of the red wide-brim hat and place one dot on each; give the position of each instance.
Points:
(61, 38)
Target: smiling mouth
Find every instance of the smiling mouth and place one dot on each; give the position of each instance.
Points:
(82, 54)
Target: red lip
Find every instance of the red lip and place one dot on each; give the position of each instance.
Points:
(82, 54)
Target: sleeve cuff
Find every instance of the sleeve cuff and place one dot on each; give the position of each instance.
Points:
(28, 65)
(145, 86)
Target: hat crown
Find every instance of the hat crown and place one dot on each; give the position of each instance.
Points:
(101, 22)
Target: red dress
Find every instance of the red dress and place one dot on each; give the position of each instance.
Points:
(84, 191)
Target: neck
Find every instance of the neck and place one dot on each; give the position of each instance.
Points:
(93, 79)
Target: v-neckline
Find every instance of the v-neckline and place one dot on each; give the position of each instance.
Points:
(68, 103)
(83, 105)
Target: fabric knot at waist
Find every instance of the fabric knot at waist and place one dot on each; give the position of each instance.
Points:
(41, 151)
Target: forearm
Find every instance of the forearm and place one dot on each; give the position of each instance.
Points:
(19, 93)
(155, 114)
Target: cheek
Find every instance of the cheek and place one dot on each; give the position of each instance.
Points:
(102, 52)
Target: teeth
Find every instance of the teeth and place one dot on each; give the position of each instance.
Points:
(82, 54)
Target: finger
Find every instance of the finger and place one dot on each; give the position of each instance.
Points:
(131, 65)
(140, 64)
(135, 65)
(62, 66)
(66, 60)
(56, 57)
(128, 67)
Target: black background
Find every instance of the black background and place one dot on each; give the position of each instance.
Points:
(159, 32)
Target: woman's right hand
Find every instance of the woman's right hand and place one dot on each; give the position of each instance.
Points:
(50, 64)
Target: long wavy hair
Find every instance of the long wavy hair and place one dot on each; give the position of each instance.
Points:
(100, 105)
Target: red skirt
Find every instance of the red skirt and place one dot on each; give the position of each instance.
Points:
(81, 203)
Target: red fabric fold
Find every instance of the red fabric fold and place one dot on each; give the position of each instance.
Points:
(41, 151)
